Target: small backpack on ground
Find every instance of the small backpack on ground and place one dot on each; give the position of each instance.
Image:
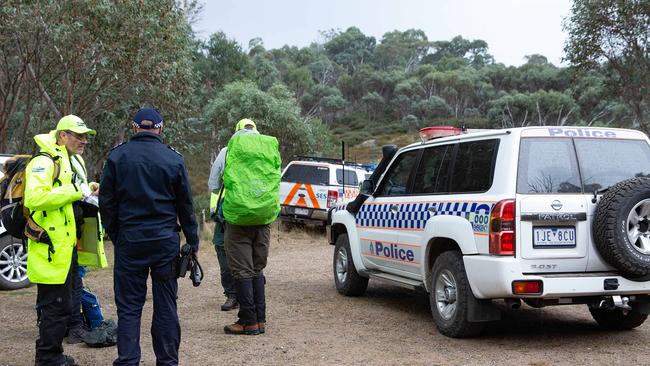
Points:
(91, 309)
(15, 216)
(252, 180)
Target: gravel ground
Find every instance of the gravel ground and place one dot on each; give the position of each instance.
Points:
(310, 323)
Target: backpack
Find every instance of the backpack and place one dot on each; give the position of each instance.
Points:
(252, 180)
(15, 216)
(91, 309)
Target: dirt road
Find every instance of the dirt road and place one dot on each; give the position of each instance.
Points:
(310, 323)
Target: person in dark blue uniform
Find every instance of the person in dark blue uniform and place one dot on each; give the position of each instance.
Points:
(144, 192)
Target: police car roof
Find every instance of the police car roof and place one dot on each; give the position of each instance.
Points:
(541, 131)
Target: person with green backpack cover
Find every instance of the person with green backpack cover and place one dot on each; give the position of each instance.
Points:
(250, 204)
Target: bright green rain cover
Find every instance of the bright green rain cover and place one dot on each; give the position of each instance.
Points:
(252, 180)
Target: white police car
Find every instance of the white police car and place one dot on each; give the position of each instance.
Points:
(13, 259)
(547, 215)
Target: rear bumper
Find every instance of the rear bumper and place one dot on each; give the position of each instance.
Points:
(491, 278)
(313, 216)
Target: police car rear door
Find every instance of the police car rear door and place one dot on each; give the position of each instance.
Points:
(627, 156)
(553, 234)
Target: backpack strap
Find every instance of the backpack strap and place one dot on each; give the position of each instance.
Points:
(57, 166)
(219, 199)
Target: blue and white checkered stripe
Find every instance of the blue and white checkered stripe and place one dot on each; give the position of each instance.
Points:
(415, 215)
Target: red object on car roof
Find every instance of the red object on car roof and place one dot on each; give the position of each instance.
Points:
(429, 133)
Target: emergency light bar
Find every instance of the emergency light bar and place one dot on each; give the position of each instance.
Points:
(430, 133)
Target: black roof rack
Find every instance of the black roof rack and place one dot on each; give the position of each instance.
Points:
(326, 160)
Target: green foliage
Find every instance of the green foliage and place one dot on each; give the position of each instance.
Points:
(275, 112)
(220, 61)
(101, 60)
(350, 48)
(403, 50)
(614, 35)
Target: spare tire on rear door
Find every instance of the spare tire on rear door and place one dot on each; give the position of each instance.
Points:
(621, 227)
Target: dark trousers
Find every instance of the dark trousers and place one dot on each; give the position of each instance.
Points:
(248, 250)
(130, 285)
(76, 320)
(227, 281)
(54, 304)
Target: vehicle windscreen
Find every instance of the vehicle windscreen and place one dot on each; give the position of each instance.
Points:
(307, 174)
(552, 166)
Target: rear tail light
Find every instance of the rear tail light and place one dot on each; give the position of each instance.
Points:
(527, 287)
(332, 197)
(502, 228)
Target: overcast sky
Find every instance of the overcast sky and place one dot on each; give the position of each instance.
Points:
(512, 28)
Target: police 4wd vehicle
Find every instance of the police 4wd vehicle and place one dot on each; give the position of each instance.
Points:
(13, 258)
(310, 186)
(543, 215)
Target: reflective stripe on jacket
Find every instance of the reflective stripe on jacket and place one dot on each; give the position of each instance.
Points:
(51, 205)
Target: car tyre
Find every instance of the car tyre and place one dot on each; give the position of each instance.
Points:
(346, 278)
(616, 319)
(621, 227)
(13, 264)
(449, 294)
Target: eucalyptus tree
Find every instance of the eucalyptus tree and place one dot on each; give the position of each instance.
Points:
(221, 61)
(350, 48)
(616, 35)
(275, 112)
(98, 59)
(404, 50)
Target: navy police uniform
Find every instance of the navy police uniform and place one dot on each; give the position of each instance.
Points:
(144, 190)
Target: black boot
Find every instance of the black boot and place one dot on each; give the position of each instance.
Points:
(260, 301)
(247, 323)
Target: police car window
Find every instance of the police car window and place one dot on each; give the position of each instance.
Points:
(547, 166)
(307, 174)
(395, 182)
(624, 159)
(474, 166)
(432, 175)
(350, 177)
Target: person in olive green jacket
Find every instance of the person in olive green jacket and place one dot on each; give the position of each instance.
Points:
(52, 265)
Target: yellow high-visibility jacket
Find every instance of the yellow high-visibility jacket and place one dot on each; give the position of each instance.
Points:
(51, 205)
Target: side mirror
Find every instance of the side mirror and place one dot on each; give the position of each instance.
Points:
(367, 186)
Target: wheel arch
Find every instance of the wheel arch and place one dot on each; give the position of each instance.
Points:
(337, 230)
(435, 247)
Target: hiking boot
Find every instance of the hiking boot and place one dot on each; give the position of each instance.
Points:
(230, 304)
(76, 335)
(69, 361)
(237, 328)
(262, 327)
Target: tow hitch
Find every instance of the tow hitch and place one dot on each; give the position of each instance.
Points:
(616, 302)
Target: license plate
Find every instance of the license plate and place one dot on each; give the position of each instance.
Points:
(554, 236)
(301, 211)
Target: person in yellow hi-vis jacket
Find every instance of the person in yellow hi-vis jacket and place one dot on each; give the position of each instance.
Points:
(90, 236)
(52, 262)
